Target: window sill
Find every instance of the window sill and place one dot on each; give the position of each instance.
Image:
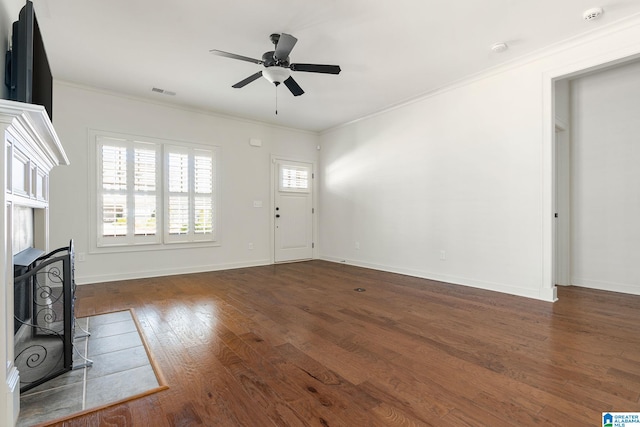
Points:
(151, 247)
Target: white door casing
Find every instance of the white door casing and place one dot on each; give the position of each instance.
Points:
(293, 210)
(562, 256)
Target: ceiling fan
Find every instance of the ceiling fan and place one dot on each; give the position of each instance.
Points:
(277, 66)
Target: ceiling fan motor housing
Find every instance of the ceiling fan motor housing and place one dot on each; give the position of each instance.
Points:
(269, 59)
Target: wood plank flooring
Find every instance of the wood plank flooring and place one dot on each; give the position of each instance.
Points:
(295, 345)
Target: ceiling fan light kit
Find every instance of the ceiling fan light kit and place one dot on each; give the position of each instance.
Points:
(276, 75)
(277, 68)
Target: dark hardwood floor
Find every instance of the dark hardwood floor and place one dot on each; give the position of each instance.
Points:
(295, 345)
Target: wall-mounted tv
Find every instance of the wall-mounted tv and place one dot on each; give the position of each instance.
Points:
(27, 73)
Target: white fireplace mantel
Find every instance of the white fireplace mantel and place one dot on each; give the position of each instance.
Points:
(31, 150)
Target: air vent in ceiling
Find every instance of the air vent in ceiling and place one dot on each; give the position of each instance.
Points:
(162, 91)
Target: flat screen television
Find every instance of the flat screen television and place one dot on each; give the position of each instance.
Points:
(27, 73)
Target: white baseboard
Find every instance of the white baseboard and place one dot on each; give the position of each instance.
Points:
(548, 295)
(624, 288)
(142, 274)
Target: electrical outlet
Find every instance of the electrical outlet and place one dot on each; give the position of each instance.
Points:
(80, 256)
(443, 255)
(250, 246)
(358, 245)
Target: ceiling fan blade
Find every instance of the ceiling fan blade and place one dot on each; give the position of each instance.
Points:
(234, 56)
(248, 80)
(316, 68)
(284, 46)
(293, 86)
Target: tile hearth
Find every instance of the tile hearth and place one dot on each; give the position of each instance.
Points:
(121, 369)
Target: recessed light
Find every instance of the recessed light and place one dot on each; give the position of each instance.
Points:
(499, 47)
(593, 13)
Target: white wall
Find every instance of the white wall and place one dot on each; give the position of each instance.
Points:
(457, 172)
(244, 178)
(606, 179)
(466, 170)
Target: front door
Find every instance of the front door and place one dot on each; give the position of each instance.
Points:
(293, 215)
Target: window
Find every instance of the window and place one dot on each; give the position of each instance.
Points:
(189, 194)
(294, 178)
(143, 199)
(128, 199)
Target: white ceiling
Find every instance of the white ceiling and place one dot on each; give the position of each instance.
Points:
(389, 51)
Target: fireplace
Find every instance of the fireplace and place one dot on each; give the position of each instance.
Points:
(30, 150)
(43, 297)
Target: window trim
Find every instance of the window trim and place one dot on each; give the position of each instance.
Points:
(95, 167)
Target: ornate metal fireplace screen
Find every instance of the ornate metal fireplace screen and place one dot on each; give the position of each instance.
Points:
(44, 341)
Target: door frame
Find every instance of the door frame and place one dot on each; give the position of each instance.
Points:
(562, 204)
(272, 204)
(548, 290)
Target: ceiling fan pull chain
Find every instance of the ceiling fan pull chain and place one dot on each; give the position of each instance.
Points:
(276, 99)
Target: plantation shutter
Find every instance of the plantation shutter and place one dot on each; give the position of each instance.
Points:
(151, 192)
(189, 194)
(294, 178)
(203, 188)
(128, 201)
(114, 190)
(145, 198)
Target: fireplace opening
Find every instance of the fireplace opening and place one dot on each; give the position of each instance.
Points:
(44, 321)
(23, 289)
(21, 298)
